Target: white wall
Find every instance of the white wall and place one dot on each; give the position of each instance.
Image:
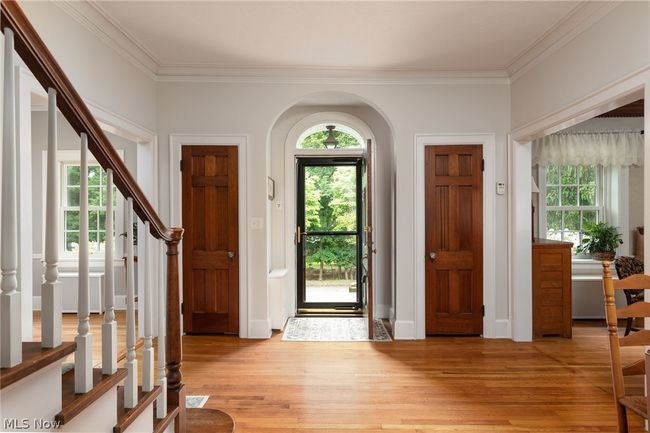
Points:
(252, 109)
(98, 72)
(617, 45)
(67, 140)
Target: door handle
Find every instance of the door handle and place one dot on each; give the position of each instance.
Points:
(299, 234)
(231, 254)
(432, 255)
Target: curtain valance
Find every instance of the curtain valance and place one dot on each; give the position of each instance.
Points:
(610, 148)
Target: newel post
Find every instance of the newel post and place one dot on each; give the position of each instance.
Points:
(174, 349)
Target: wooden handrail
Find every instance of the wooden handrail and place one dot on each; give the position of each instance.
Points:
(46, 70)
(39, 60)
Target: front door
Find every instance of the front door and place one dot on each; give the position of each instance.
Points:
(328, 234)
(454, 239)
(211, 240)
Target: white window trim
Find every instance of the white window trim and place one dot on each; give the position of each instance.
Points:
(614, 206)
(600, 206)
(67, 259)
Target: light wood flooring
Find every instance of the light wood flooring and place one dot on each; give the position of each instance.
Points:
(436, 385)
(552, 385)
(69, 332)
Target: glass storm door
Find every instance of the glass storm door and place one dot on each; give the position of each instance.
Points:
(328, 233)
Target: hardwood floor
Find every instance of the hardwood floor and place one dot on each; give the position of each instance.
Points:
(69, 332)
(437, 385)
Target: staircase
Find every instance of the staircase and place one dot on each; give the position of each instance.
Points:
(34, 394)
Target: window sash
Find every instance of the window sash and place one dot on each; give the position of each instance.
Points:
(65, 207)
(544, 208)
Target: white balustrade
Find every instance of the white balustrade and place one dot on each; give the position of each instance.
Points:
(83, 358)
(161, 403)
(131, 381)
(51, 298)
(147, 352)
(10, 332)
(109, 327)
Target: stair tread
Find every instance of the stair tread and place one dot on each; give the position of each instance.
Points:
(126, 416)
(160, 424)
(209, 421)
(34, 358)
(73, 404)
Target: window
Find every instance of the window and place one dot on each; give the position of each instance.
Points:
(346, 137)
(573, 197)
(96, 207)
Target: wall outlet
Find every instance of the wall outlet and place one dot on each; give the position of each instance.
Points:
(501, 188)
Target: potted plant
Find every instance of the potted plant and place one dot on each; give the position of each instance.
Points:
(601, 241)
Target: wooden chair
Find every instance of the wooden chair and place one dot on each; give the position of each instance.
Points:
(636, 403)
(625, 267)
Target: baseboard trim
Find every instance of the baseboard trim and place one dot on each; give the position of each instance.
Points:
(259, 329)
(404, 330)
(502, 328)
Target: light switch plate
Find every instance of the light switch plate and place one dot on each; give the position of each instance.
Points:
(256, 223)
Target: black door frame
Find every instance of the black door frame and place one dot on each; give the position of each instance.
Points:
(301, 163)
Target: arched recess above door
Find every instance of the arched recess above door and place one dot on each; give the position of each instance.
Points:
(313, 123)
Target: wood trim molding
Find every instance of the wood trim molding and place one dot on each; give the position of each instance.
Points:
(488, 141)
(176, 141)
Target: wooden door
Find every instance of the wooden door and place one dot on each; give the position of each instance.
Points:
(211, 240)
(454, 239)
(368, 247)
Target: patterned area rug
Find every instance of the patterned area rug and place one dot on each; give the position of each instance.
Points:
(332, 329)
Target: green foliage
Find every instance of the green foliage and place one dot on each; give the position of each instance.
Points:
(600, 237)
(315, 140)
(330, 205)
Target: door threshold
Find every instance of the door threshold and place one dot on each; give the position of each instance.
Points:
(328, 312)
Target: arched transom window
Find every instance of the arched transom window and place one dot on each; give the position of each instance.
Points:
(330, 136)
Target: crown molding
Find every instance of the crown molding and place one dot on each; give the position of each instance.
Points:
(90, 15)
(582, 17)
(108, 29)
(305, 75)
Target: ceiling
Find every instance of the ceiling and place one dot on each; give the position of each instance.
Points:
(367, 36)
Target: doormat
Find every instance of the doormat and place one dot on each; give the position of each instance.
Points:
(196, 401)
(332, 329)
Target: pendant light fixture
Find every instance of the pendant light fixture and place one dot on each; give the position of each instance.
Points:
(331, 142)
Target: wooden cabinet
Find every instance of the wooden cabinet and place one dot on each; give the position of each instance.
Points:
(551, 288)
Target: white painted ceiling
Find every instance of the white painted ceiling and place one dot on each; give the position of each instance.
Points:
(353, 35)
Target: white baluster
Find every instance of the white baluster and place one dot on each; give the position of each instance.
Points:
(131, 382)
(109, 327)
(161, 403)
(147, 352)
(10, 337)
(51, 297)
(83, 358)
